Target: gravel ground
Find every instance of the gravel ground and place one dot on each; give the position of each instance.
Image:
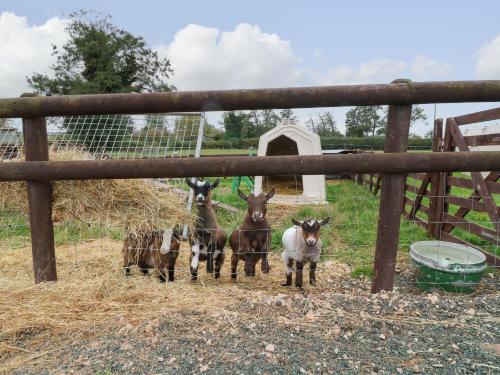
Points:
(338, 327)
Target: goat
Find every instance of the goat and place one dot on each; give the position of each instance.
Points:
(208, 238)
(302, 244)
(153, 249)
(251, 241)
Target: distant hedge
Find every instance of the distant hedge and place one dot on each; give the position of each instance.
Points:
(367, 143)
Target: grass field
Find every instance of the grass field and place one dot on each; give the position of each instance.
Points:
(179, 153)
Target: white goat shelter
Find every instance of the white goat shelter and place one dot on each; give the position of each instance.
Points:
(290, 138)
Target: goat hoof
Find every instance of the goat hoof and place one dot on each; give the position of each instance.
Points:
(286, 284)
(313, 282)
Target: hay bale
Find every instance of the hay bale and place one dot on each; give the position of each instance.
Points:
(129, 204)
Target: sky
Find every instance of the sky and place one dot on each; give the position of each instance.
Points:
(235, 44)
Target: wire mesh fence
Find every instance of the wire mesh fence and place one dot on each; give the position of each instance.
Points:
(348, 239)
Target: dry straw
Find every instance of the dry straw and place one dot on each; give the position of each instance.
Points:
(128, 204)
(93, 296)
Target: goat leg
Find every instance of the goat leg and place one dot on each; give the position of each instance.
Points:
(126, 263)
(210, 259)
(195, 259)
(170, 269)
(234, 265)
(162, 275)
(288, 271)
(288, 280)
(264, 265)
(298, 276)
(312, 273)
(219, 261)
(249, 265)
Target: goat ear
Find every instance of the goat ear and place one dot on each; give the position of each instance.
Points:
(297, 222)
(190, 183)
(270, 194)
(324, 221)
(214, 184)
(242, 195)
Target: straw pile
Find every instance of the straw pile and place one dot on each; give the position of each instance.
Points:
(129, 204)
(93, 296)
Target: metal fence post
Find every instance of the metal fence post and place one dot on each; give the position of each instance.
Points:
(40, 202)
(391, 199)
(197, 154)
(435, 215)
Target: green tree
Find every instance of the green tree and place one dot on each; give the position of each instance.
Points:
(237, 124)
(363, 121)
(324, 124)
(287, 114)
(262, 121)
(4, 123)
(429, 134)
(417, 114)
(101, 58)
(211, 131)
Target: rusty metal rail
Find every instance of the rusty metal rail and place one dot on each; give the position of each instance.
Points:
(395, 163)
(224, 100)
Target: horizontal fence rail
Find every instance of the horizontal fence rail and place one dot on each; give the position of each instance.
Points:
(225, 100)
(395, 163)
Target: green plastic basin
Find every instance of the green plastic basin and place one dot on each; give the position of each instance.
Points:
(448, 266)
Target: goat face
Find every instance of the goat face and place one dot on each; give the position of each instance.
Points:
(257, 205)
(171, 239)
(201, 189)
(310, 229)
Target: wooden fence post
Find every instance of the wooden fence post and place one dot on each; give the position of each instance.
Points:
(40, 202)
(391, 199)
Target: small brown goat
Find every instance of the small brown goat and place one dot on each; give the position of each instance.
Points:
(250, 242)
(157, 250)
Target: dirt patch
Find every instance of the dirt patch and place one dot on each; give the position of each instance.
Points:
(95, 320)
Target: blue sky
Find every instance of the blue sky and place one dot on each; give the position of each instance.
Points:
(291, 43)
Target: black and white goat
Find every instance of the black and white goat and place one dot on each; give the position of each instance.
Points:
(208, 238)
(302, 244)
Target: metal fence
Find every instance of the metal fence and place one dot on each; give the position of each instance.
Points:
(400, 95)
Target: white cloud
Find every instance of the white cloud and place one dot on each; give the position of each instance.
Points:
(376, 70)
(206, 58)
(25, 49)
(488, 60)
(381, 70)
(425, 68)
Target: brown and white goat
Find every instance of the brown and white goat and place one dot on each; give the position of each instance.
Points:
(251, 241)
(208, 238)
(302, 244)
(156, 249)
